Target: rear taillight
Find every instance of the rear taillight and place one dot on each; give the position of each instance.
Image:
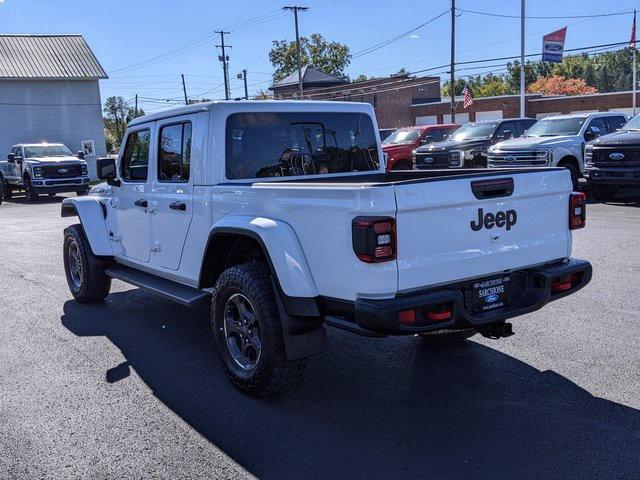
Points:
(577, 210)
(374, 238)
(563, 284)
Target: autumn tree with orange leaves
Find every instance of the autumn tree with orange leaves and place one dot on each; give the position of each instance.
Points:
(558, 85)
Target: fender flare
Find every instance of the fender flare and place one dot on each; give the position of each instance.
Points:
(92, 214)
(280, 246)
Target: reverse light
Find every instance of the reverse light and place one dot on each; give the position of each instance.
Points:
(374, 238)
(577, 210)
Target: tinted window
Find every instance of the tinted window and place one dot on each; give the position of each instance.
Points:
(403, 135)
(43, 151)
(556, 126)
(434, 135)
(135, 161)
(506, 127)
(475, 131)
(174, 153)
(288, 144)
(615, 123)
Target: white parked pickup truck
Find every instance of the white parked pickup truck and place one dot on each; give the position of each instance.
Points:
(556, 141)
(281, 214)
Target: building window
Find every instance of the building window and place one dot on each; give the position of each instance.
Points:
(174, 155)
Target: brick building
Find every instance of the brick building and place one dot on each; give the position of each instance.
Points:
(404, 100)
(392, 97)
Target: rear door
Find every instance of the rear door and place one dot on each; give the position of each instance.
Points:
(467, 227)
(172, 191)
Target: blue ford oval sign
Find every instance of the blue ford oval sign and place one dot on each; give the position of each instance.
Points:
(510, 158)
(616, 156)
(491, 298)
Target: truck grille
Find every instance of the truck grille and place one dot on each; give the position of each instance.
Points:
(518, 159)
(601, 157)
(61, 171)
(432, 160)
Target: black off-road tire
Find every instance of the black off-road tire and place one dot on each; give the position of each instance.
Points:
(29, 192)
(447, 337)
(602, 192)
(94, 285)
(273, 372)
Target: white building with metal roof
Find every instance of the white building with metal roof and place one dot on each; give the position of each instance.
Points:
(50, 92)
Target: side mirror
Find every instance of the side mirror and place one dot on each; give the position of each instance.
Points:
(591, 133)
(106, 170)
(81, 155)
(11, 158)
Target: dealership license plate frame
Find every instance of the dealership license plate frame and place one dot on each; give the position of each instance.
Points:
(498, 287)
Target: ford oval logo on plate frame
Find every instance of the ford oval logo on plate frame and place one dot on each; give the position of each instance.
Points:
(616, 156)
(491, 298)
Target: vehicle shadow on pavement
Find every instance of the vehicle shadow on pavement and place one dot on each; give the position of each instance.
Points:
(21, 200)
(371, 408)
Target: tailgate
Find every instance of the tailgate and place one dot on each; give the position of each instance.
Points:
(459, 228)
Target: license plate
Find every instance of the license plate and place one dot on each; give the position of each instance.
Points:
(490, 294)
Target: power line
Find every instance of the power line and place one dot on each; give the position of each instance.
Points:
(391, 40)
(543, 17)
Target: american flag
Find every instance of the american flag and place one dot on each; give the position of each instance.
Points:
(467, 97)
(632, 43)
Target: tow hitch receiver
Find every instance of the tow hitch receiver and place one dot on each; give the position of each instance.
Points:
(496, 330)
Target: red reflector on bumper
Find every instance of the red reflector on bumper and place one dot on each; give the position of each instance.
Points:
(438, 316)
(407, 317)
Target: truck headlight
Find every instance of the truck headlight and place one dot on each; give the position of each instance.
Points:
(83, 169)
(37, 171)
(456, 158)
(588, 154)
(543, 155)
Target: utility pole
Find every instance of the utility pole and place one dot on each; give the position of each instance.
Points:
(453, 61)
(523, 85)
(184, 89)
(135, 110)
(224, 59)
(295, 10)
(633, 52)
(243, 75)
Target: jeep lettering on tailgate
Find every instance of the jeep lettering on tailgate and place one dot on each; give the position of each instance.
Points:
(489, 220)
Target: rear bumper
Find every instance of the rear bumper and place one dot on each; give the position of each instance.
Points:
(531, 291)
(613, 176)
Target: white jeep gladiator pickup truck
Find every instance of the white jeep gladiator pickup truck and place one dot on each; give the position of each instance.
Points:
(556, 141)
(281, 214)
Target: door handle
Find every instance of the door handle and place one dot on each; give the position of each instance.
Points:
(142, 203)
(178, 206)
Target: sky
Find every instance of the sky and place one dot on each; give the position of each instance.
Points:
(145, 45)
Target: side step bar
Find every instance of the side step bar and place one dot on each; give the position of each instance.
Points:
(182, 294)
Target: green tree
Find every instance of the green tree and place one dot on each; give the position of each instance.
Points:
(117, 115)
(329, 57)
(361, 78)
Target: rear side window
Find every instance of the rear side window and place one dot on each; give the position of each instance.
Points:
(275, 144)
(174, 153)
(615, 123)
(135, 161)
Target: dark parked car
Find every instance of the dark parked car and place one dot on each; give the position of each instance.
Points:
(612, 161)
(468, 145)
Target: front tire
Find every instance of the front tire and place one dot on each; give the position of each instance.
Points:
(248, 332)
(85, 273)
(29, 192)
(575, 174)
(82, 193)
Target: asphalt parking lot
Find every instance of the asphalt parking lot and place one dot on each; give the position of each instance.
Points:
(131, 388)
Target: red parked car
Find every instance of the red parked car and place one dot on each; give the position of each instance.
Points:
(399, 145)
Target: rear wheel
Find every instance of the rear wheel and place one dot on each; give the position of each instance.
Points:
(248, 332)
(85, 273)
(602, 192)
(446, 336)
(6, 188)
